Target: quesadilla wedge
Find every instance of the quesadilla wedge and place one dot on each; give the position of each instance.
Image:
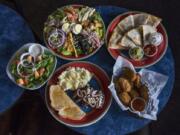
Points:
(115, 39)
(153, 21)
(127, 43)
(146, 19)
(146, 31)
(140, 19)
(126, 24)
(136, 36)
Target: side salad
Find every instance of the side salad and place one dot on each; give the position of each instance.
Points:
(74, 31)
(30, 71)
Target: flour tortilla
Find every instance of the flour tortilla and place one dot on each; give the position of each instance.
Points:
(140, 19)
(126, 24)
(115, 39)
(136, 36)
(61, 102)
(146, 19)
(127, 43)
(153, 21)
(123, 26)
(146, 31)
(73, 113)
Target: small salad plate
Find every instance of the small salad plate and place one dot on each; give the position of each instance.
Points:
(74, 32)
(77, 94)
(31, 66)
(137, 36)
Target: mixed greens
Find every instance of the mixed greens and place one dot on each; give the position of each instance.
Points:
(31, 72)
(74, 31)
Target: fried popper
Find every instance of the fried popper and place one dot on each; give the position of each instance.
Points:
(130, 87)
(125, 98)
(128, 74)
(124, 85)
(144, 92)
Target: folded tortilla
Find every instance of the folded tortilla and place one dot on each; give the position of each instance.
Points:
(136, 36)
(61, 102)
(115, 39)
(126, 24)
(127, 43)
(146, 31)
(153, 21)
(146, 19)
(140, 19)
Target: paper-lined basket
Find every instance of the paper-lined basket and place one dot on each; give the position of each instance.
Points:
(153, 80)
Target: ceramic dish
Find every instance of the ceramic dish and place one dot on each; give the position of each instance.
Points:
(31, 66)
(99, 81)
(74, 32)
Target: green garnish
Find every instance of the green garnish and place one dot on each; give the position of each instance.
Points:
(136, 53)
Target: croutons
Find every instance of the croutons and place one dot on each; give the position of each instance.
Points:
(36, 74)
(29, 59)
(41, 71)
(20, 81)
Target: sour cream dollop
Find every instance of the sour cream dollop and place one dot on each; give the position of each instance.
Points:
(77, 28)
(155, 38)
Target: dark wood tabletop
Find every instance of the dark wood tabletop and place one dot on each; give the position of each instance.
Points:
(29, 116)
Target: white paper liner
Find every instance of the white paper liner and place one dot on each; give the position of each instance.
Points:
(153, 80)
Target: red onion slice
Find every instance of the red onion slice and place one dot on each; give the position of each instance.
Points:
(24, 62)
(19, 71)
(60, 38)
(91, 97)
(92, 38)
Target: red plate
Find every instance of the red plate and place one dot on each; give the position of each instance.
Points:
(95, 114)
(145, 62)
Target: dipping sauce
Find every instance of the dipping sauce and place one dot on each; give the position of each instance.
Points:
(150, 50)
(138, 104)
(35, 50)
(136, 53)
(155, 38)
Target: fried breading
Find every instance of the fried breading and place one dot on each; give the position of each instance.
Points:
(124, 84)
(128, 74)
(137, 81)
(125, 98)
